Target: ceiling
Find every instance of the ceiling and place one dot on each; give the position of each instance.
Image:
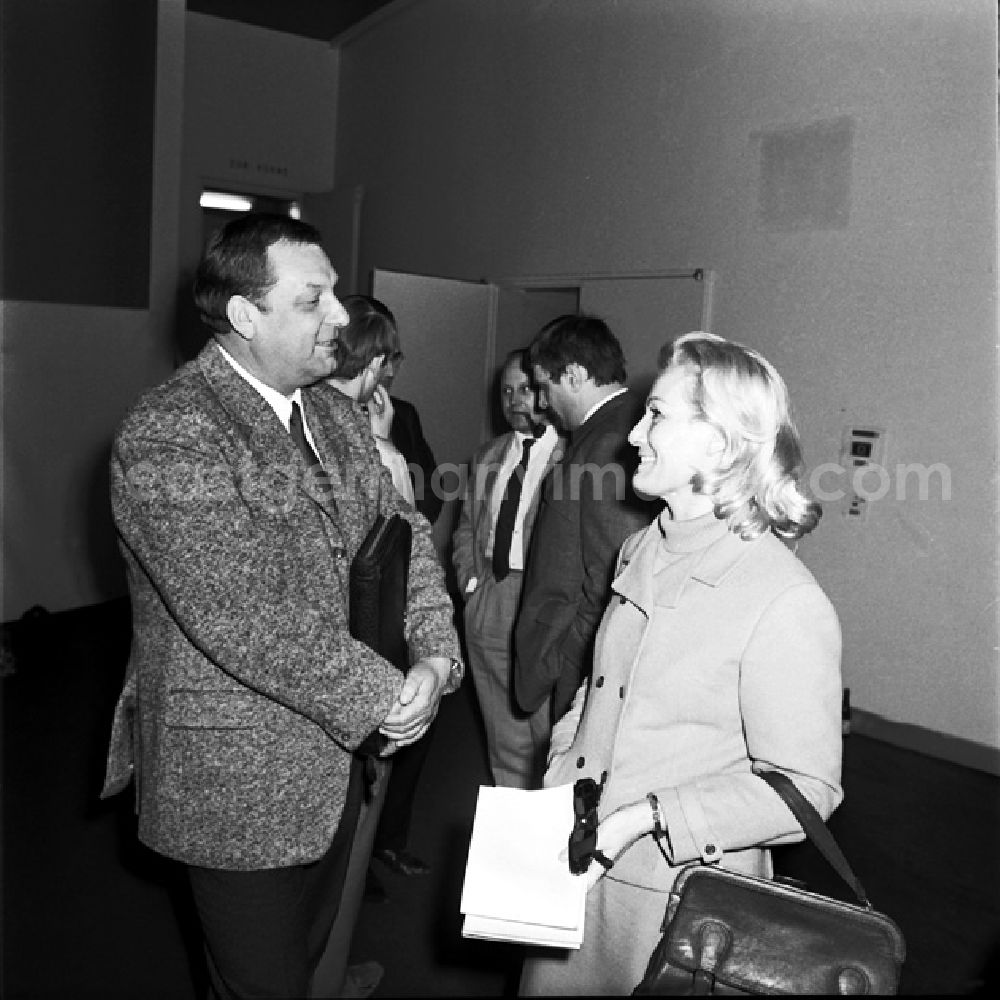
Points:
(321, 19)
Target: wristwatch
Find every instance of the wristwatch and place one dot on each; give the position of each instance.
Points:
(455, 674)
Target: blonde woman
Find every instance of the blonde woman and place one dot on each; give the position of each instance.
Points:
(718, 655)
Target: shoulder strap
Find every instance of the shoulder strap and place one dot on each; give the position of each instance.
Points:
(815, 829)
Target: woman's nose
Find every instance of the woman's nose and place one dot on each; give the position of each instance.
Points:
(638, 433)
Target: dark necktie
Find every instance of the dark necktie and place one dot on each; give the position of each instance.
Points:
(508, 514)
(298, 433)
(318, 477)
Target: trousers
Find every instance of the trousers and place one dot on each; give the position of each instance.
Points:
(265, 930)
(516, 741)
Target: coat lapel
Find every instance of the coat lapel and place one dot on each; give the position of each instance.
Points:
(487, 473)
(259, 430)
(649, 581)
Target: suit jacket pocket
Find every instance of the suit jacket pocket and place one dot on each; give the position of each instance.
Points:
(556, 614)
(206, 709)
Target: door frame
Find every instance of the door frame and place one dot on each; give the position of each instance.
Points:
(576, 279)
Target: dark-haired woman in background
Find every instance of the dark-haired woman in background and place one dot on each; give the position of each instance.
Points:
(718, 656)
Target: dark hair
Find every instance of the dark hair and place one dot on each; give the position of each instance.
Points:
(371, 331)
(235, 262)
(517, 357)
(579, 339)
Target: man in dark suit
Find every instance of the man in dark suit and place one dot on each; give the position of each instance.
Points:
(407, 434)
(505, 473)
(588, 508)
(242, 488)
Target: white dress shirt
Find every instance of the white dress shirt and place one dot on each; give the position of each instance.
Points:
(280, 403)
(538, 459)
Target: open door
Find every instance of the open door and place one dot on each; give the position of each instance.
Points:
(455, 333)
(446, 328)
(447, 332)
(644, 309)
(646, 312)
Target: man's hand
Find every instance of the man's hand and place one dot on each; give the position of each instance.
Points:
(418, 700)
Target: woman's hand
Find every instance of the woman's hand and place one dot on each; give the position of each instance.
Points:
(380, 412)
(617, 832)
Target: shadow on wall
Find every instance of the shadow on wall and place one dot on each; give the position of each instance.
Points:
(190, 334)
(102, 558)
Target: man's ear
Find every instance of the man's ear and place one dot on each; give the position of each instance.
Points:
(242, 313)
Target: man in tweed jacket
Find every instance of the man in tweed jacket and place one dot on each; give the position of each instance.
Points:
(245, 693)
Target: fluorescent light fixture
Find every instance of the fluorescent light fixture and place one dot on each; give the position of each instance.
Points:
(225, 202)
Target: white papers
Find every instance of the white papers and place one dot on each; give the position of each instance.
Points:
(516, 887)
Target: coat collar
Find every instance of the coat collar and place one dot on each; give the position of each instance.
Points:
(605, 414)
(651, 575)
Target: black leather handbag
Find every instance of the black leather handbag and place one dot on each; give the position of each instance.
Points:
(377, 612)
(731, 934)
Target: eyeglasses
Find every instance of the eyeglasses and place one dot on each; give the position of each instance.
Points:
(583, 839)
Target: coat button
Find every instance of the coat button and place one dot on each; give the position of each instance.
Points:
(621, 691)
(604, 776)
(580, 761)
(600, 682)
(623, 600)
(339, 553)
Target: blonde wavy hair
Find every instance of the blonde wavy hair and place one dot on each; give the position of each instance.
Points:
(755, 486)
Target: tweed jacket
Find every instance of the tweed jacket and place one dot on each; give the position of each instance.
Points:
(245, 693)
(587, 509)
(716, 656)
(472, 534)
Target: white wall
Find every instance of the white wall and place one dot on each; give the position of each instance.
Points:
(499, 137)
(261, 107)
(260, 112)
(232, 104)
(514, 137)
(69, 373)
